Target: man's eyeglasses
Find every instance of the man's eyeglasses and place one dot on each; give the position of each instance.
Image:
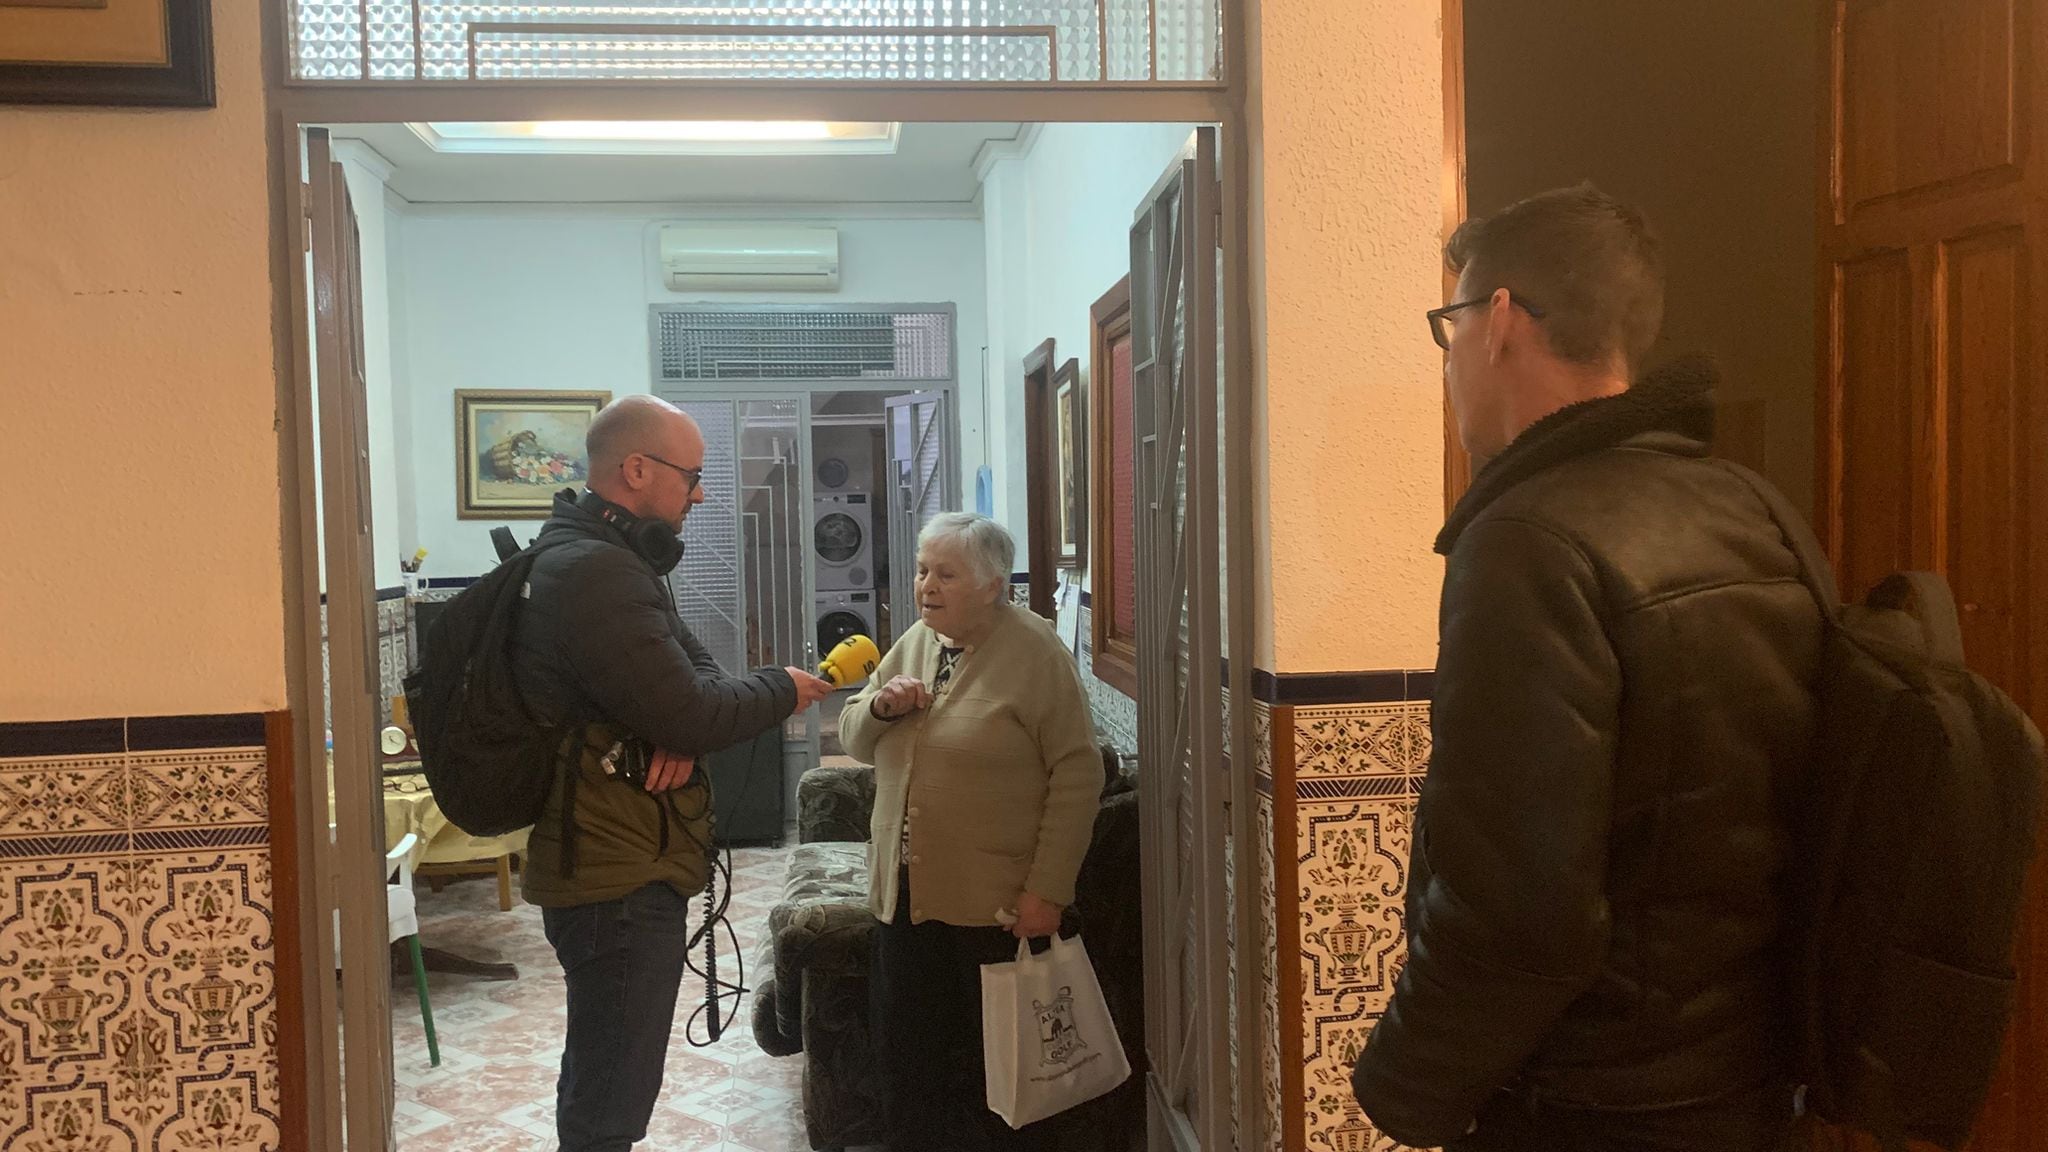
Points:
(1440, 322)
(693, 475)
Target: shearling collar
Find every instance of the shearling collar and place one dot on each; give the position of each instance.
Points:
(1677, 401)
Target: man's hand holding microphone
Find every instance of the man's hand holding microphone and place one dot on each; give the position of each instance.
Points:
(809, 688)
(667, 770)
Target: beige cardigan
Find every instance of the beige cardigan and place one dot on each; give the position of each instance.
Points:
(999, 780)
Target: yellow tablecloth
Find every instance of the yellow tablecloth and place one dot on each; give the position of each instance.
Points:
(409, 807)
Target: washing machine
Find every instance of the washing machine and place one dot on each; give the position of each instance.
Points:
(842, 543)
(843, 614)
(845, 460)
(840, 473)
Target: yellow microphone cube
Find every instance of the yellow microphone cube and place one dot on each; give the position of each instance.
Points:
(853, 660)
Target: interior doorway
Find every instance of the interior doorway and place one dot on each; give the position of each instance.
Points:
(834, 430)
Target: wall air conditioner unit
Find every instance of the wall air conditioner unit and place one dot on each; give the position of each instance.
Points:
(750, 258)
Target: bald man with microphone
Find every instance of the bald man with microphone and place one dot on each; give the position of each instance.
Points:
(623, 841)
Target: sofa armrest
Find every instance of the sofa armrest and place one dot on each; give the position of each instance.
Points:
(834, 803)
(768, 1034)
(829, 938)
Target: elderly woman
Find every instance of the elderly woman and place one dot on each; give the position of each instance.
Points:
(986, 784)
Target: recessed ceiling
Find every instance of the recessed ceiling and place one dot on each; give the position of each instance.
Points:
(661, 137)
(930, 164)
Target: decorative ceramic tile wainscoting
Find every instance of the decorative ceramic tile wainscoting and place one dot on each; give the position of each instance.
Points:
(1342, 759)
(138, 1006)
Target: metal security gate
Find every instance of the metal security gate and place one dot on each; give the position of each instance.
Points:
(921, 485)
(741, 586)
(1183, 783)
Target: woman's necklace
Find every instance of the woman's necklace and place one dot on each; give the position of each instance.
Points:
(949, 659)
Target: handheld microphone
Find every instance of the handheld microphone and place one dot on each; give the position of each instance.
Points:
(851, 661)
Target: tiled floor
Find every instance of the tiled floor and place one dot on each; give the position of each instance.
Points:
(501, 1043)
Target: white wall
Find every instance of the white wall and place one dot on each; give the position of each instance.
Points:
(1057, 221)
(557, 297)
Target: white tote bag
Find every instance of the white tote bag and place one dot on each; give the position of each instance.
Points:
(1047, 1041)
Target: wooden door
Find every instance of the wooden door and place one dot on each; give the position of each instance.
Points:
(354, 859)
(1933, 398)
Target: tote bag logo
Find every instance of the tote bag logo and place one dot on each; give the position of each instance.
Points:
(1058, 1039)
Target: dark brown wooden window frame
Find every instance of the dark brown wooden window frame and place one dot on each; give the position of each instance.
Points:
(1115, 655)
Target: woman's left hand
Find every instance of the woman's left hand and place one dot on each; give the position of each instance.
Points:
(1035, 917)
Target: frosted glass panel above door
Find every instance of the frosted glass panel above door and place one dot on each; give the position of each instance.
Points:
(885, 41)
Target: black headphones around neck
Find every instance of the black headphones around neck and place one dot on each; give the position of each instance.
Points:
(654, 541)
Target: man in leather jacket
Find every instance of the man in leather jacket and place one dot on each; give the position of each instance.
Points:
(620, 848)
(1622, 695)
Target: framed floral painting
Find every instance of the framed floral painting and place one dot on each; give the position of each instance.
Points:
(515, 450)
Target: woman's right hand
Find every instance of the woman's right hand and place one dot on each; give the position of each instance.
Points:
(899, 698)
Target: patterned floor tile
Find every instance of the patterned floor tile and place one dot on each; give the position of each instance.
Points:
(769, 1132)
(413, 1120)
(501, 1042)
(482, 1136)
(537, 1117)
(673, 1131)
(498, 1087)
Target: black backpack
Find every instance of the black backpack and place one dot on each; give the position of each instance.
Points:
(1912, 841)
(488, 758)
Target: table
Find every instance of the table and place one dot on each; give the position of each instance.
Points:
(444, 849)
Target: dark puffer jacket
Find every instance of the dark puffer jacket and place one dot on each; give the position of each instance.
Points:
(1622, 695)
(599, 637)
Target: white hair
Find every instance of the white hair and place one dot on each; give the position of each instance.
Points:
(986, 544)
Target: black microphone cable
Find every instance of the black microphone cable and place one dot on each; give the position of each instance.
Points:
(717, 901)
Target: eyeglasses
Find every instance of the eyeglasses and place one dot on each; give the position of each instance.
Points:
(693, 475)
(1440, 323)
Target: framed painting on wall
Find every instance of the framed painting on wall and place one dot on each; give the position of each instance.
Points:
(515, 450)
(1070, 427)
(156, 53)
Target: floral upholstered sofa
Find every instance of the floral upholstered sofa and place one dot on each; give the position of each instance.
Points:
(812, 992)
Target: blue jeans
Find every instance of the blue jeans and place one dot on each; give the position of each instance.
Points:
(624, 963)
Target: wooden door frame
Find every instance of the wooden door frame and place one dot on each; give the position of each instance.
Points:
(1457, 464)
(290, 104)
(1041, 481)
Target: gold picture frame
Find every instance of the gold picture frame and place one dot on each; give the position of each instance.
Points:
(150, 53)
(515, 450)
(1070, 457)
